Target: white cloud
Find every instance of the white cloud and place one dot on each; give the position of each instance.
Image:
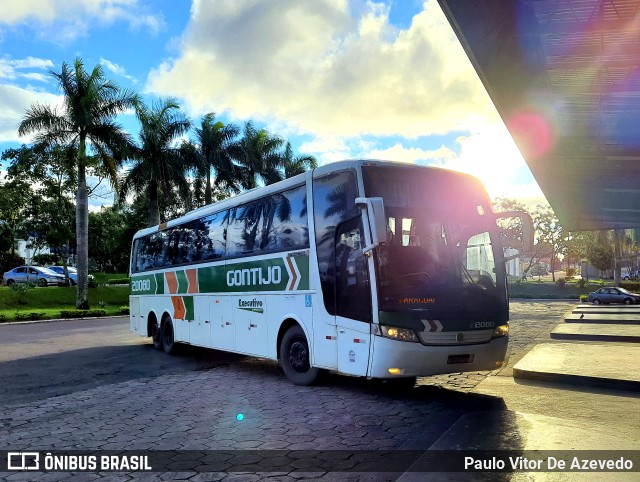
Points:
(413, 155)
(11, 69)
(117, 69)
(14, 101)
(488, 153)
(63, 21)
(334, 68)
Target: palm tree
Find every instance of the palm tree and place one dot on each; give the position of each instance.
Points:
(294, 165)
(90, 104)
(159, 166)
(259, 157)
(215, 142)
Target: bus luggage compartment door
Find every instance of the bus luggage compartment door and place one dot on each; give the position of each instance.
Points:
(354, 338)
(250, 319)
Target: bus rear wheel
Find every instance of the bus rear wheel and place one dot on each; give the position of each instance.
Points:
(156, 335)
(295, 357)
(168, 340)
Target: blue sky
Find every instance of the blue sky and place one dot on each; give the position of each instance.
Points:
(338, 78)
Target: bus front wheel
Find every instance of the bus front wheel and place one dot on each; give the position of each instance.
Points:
(295, 357)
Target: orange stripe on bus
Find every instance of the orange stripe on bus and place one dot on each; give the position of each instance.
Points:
(179, 311)
(192, 277)
(172, 281)
(294, 277)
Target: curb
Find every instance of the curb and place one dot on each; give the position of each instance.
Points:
(577, 380)
(29, 322)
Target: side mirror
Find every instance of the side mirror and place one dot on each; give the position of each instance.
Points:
(527, 229)
(377, 219)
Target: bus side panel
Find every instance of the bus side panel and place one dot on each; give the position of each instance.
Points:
(136, 320)
(294, 307)
(325, 337)
(200, 327)
(223, 332)
(156, 304)
(250, 320)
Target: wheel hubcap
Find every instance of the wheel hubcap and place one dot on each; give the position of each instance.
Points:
(298, 357)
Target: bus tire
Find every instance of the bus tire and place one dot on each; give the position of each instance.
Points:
(295, 357)
(168, 338)
(156, 336)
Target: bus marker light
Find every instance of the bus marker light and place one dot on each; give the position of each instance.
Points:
(395, 371)
(240, 417)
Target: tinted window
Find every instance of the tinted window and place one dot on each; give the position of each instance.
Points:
(210, 236)
(353, 295)
(334, 203)
(287, 226)
(274, 223)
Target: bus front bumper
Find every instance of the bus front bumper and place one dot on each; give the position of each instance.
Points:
(396, 359)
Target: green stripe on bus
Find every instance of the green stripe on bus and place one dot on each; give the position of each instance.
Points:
(260, 275)
(159, 283)
(188, 304)
(143, 285)
(211, 279)
(183, 284)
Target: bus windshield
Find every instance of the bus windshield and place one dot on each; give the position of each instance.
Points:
(441, 259)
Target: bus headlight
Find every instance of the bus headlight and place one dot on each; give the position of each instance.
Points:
(401, 334)
(500, 331)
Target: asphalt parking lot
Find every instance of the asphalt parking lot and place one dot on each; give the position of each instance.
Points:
(90, 385)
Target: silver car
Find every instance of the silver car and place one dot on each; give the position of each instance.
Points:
(73, 274)
(35, 274)
(613, 295)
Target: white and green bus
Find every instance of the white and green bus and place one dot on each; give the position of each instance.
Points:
(369, 268)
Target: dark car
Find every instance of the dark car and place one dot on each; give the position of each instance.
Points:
(613, 295)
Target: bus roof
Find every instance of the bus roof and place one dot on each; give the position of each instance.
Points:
(259, 192)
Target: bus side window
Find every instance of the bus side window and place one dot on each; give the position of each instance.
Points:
(334, 202)
(353, 295)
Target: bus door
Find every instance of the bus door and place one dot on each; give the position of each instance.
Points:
(353, 298)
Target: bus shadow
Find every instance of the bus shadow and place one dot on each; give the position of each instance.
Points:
(44, 376)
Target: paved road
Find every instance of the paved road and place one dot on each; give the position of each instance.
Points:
(90, 385)
(42, 360)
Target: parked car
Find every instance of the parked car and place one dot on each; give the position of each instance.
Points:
(36, 274)
(627, 275)
(613, 295)
(73, 274)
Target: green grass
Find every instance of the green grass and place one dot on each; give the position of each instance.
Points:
(533, 289)
(47, 303)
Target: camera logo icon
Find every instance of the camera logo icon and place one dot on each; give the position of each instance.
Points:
(23, 461)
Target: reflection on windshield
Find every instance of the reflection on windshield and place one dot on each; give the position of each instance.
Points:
(441, 259)
(431, 259)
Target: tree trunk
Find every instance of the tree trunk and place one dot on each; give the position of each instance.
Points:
(82, 231)
(207, 188)
(154, 208)
(617, 258)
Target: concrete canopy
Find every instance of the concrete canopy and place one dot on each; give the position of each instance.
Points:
(565, 77)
